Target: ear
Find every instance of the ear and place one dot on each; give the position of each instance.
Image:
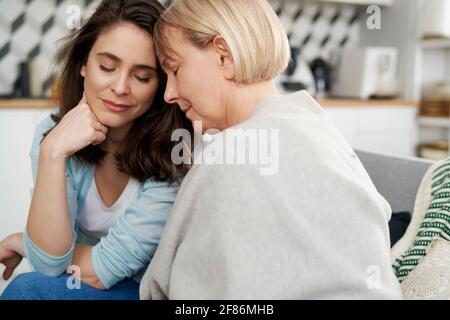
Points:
(83, 71)
(224, 57)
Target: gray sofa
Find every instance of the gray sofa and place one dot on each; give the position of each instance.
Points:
(396, 178)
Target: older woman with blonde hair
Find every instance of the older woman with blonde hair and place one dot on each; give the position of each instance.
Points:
(313, 226)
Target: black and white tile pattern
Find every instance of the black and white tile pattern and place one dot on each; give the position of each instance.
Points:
(319, 28)
(29, 30)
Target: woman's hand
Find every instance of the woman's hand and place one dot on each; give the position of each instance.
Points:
(76, 130)
(11, 254)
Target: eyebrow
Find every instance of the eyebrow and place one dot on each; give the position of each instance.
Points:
(168, 63)
(137, 66)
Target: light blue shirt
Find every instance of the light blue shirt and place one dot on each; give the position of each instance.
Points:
(130, 244)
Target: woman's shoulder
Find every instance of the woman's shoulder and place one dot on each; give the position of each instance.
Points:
(150, 185)
(297, 103)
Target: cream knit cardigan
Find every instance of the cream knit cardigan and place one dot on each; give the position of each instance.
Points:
(422, 256)
(317, 229)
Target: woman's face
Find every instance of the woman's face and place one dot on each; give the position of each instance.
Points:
(121, 78)
(195, 81)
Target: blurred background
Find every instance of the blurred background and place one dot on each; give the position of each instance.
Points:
(379, 68)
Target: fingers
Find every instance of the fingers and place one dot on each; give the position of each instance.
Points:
(98, 138)
(100, 130)
(100, 127)
(95, 123)
(7, 273)
(84, 105)
(99, 134)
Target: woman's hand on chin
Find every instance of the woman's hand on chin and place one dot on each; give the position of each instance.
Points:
(77, 129)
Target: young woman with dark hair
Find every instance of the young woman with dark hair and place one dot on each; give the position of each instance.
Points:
(104, 179)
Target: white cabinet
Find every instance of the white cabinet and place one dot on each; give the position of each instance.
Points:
(434, 66)
(387, 129)
(16, 133)
(422, 63)
(426, 61)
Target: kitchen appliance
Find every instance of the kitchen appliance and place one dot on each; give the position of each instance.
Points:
(298, 75)
(365, 73)
(22, 85)
(321, 72)
(437, 150)
(436, 19)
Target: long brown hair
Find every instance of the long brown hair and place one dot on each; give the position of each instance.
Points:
(147, 153)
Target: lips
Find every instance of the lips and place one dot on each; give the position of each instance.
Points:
(115, 106)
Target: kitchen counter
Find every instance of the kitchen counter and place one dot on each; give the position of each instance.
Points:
(367, 103)
(27, 104)
(49, 104)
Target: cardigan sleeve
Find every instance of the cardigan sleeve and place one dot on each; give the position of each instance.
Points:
(38, 260)
(132, 241)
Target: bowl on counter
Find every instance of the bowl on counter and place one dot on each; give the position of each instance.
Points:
(437, 150)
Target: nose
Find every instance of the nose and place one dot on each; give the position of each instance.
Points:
(171, 94)
(120, 85)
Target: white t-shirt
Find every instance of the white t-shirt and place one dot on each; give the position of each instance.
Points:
(96, 218)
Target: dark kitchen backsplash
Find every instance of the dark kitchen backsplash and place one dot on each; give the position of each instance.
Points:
(29, 30)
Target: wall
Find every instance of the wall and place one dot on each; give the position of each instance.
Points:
(319, 28)
(16, 132)
(29, 30)
(419, 67)
(397, 30)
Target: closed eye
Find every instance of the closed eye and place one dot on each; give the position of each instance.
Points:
(144, 80)
(105, 69)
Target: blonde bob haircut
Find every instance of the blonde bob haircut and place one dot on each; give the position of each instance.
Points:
(251, 29)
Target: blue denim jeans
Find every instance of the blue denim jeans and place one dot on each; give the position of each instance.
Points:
(35, 286)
